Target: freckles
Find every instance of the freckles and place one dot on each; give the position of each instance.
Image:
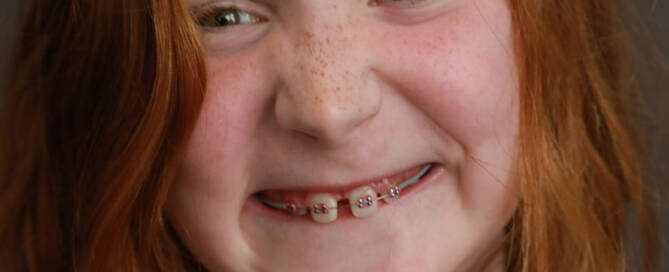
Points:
(320, 65)
(318, 100)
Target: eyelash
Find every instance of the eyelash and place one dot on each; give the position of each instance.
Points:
(397, 2)
(215, 17)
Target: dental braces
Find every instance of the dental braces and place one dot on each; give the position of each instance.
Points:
(366, 201)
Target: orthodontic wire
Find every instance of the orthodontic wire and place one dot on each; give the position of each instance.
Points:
(300, 210)
(411, 180)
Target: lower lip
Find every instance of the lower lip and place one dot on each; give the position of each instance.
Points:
(253, 204)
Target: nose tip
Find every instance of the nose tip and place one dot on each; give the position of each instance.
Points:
(327, 87)
(328, 116)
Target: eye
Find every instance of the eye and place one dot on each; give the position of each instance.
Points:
(226, 27)
(410, 12)
(396, 2)
(226, 17)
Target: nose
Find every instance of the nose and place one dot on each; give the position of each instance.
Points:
(327, 90)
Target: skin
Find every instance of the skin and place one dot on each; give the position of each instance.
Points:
(325, 93)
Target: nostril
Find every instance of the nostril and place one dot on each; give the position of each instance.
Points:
(323, 120)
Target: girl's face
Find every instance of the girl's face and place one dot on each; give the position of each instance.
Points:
(316, 96)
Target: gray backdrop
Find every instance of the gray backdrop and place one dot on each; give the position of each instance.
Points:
(655, 14)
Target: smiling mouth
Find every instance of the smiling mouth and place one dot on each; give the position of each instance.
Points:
(363, 201)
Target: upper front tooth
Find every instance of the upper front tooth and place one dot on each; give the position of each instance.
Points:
(362, 201)
(323, 208)
(392, 194)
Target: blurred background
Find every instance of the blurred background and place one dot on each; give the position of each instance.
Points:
(654, 14)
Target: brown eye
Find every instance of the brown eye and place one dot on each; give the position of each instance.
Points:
(223, 17)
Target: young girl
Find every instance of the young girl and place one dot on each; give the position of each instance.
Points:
(374, 135)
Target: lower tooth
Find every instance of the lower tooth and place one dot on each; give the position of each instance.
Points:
(362, 201)
(323, 208)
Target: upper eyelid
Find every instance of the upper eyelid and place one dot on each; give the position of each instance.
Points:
(261, 8)
(267, 11)
(406, 3)
(249, 6)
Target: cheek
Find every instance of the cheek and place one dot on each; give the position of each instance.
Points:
(214, 166)
(463, 77)
(464, 80)
(235, 105)
(210, 189)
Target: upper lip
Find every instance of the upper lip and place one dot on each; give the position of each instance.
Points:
(314, 183)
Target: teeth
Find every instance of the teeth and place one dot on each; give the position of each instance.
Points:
(292, 208)
(363, 201)
(393, 193)
(323, 208)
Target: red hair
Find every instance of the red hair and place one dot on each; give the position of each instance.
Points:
(579, 161)
(105, 95)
